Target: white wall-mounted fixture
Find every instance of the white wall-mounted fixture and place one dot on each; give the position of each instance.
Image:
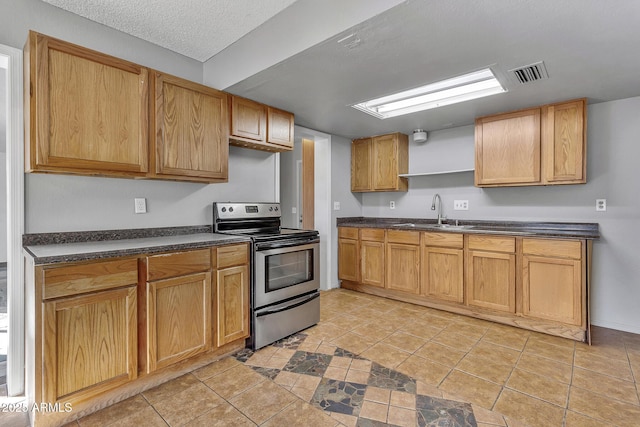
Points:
(445, 92)
(419, 135)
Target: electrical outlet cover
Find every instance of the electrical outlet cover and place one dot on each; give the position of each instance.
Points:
(392, 205)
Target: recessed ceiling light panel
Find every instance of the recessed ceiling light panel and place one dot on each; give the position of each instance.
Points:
(446, 92)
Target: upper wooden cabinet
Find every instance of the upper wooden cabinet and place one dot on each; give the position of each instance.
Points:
(377, 161)
(87, 113)
(259, 126)
(537, 146)
(191, 124)
(280, 128)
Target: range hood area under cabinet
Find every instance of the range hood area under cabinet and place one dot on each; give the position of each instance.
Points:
(89, 113)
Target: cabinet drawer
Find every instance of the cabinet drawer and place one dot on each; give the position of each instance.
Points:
(177, 264)
(406, 237)
(448, 240)
(348, 232)
(228, 256)
(552, 248)
(492, 243)
(372, 234)
(83, 278)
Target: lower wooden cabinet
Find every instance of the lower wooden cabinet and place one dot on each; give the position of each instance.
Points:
(348, 254)
(372, 256)
(403, 261)
(179, 318)
(534, 283)
(491, 272)
(89, 339)
(552, 280)
(231, 301)
(442, 267)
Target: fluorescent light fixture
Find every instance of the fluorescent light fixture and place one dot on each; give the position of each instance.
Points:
(446, 92)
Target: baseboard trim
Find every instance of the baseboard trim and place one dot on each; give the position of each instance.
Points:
(634, 329)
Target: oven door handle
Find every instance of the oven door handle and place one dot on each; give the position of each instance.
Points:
(288, 307)
(287, 244)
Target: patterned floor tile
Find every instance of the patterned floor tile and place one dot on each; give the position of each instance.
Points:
(339, 396)
(442, 412)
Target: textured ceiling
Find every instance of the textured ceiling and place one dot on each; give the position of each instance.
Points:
(195, 28)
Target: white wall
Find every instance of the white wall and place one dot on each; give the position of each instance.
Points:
(350, 203)
(612, 172)
(3, 206)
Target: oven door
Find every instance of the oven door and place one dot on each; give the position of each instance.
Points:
(285, 272)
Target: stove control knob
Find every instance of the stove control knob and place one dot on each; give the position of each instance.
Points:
(271, 209)
(230, 209)
(276, 209)
(224, 209)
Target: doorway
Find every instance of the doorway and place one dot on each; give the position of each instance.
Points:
(12, 319)
(297, 184)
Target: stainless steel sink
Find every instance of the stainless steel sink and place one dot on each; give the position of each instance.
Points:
(450, 226)
(404, 224)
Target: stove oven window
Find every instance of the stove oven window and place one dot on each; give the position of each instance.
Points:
(288, 269)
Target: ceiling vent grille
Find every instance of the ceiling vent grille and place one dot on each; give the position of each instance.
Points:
(530, 73)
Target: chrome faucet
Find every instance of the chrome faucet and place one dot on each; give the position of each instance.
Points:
(433, 207)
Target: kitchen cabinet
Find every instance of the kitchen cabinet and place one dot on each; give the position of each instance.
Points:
(280, 128)
(232, 293)
(377, 161)
(259, 126)
(528, 282)
(552, 280)
(348, 254)
(537, 146)
(89, 329)
(190, 130)
(403, 261)
(372, 256)
(87, 112)
(442, 266)
(491, 273)
(178, 306)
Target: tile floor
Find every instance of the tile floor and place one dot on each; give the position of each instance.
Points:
(375, 362)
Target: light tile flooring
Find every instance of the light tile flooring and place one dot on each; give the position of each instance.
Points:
(395, 362)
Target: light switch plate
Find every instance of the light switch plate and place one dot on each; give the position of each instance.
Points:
(140, 204)
(601, 205)
(336, 206)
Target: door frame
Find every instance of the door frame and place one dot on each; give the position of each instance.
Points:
(308, 183)
(15, 220)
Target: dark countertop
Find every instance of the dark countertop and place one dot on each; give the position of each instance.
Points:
(561, 230)
(53, 248)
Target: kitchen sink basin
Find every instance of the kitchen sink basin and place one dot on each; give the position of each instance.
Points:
(404, 224)
(450, 226)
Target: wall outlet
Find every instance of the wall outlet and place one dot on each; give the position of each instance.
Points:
(392, 205)
(140, 205)
(294, 210)
(336, 206)
(601, 205)
(460, 205)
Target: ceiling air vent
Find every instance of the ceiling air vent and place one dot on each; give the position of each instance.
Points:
(530, 73)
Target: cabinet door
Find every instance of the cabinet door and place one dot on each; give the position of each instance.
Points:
(191, 130)
(403, 267)
(564, 143)
(552, 289)
(385, 162)
(491, 281)
(178, 319)
(232, 304)
(88, 111)
(90, 344)
(372, 263)
(508, 149)
(280, 127)
(348, 256)
(361, 165)
(248, 119)
(442, 273)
